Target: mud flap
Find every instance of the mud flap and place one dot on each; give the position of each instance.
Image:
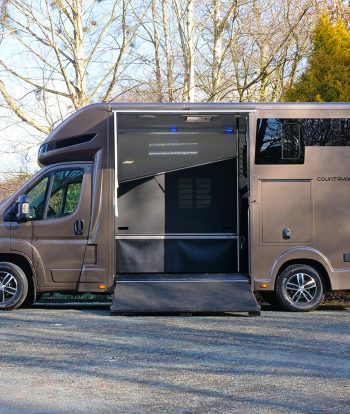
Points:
(184, 293)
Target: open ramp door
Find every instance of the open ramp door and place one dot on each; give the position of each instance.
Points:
(177, 230)
(184, 293)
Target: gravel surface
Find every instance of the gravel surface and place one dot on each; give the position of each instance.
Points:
(70, 359)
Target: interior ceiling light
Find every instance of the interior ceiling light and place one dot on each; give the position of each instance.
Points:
(128, 162)
(198, 118)
(147, 116)
(162, 153)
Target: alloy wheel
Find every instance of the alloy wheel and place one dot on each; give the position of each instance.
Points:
(301, 288)
(8, 287)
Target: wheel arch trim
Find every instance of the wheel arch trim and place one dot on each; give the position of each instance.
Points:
(11, 257)
(300, 254)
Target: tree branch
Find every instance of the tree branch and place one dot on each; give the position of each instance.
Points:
(12, 104)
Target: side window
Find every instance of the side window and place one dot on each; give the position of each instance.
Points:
(279, 141)
(291, 145)
(37, 197)
(282, 141)
(327, 132)
(65, 193)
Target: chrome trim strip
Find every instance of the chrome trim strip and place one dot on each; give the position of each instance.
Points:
(184, 111)
(116, 182)
(184, 281)
(174, 236)
(237, 202)
(177, 234)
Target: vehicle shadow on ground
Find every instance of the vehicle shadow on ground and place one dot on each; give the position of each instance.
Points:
(325, 307)
(90, 307)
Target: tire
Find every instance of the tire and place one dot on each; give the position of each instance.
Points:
(299, 288)
(30, 298)
(13, 286)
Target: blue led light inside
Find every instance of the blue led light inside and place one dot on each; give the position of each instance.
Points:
(229, 131)
(173, 129)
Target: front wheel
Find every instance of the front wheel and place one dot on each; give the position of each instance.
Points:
(13, 286)
(299, 288)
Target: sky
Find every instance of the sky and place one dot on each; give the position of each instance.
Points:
(18, 146)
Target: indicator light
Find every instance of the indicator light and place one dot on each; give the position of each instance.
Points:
(264, 285)
(102, 286)
(173, 129)
(229, 130)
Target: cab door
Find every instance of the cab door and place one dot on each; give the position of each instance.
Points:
(60, 204)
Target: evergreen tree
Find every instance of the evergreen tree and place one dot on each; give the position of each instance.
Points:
(327, 75)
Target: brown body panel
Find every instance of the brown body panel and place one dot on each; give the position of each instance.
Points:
(60, 260)
(5, 231)
(315, 210)
(296, 197)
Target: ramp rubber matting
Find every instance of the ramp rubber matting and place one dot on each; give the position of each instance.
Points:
(161, 293)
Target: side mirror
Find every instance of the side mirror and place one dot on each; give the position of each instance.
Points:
(23, 209)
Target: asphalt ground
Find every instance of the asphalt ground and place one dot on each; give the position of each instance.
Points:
(80, 359)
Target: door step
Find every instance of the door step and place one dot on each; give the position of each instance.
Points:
(183, 293)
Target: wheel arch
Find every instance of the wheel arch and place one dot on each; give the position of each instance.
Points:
(317, 265)
(302, 255)
(25, 264)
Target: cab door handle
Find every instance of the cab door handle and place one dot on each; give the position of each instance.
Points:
(79, 227)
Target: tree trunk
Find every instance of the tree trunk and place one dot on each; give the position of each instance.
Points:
(159, 92)
(168, 56)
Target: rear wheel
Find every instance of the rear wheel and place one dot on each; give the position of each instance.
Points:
(13, 286)
(299, 288)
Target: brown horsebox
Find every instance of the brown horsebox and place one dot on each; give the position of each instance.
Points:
(185, 207)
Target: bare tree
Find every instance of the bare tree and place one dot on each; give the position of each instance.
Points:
(185, 19)
(246, 50)
(223, 17)
(163, 43)
(157, 51)
(59, 55)
(256, 47)
(168, 54)
(65, 54)
(339, 9)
